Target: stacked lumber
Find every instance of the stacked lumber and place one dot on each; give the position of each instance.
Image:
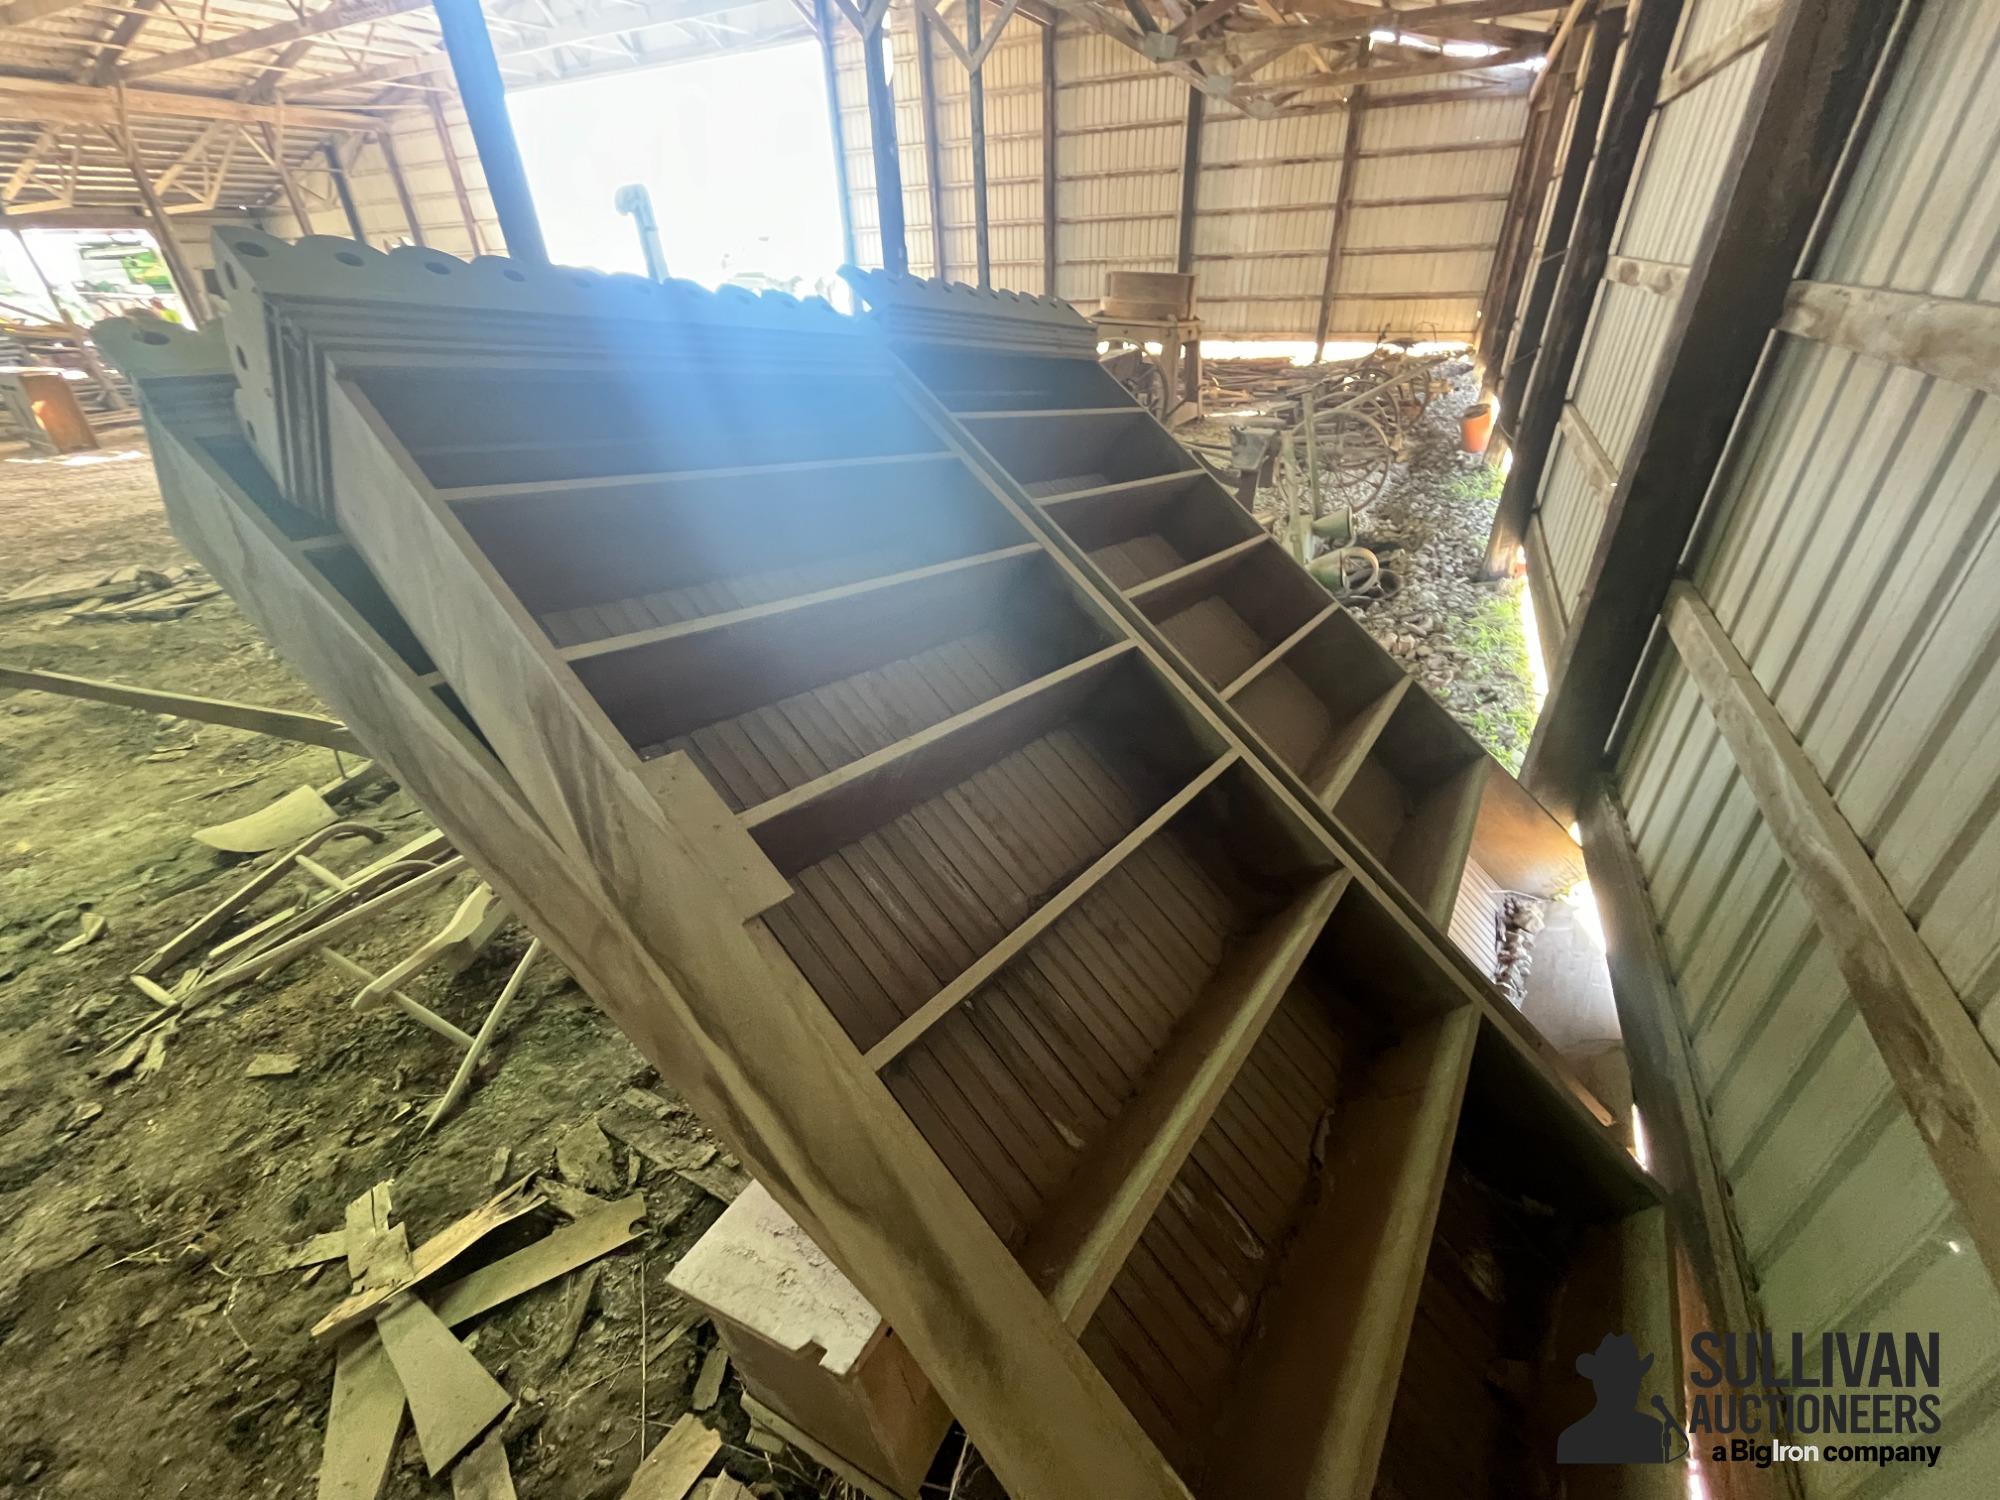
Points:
(931, 867)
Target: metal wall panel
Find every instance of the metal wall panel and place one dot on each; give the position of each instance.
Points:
(1267, 191)
(1572, 512)
(1842, 1214)
(1709, 24)
(1848, 551)
(1680, 169)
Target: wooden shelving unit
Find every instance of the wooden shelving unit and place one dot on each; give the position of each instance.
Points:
(899, 836)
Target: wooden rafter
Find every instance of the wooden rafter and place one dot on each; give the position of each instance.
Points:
(50, 100)
(333, 18)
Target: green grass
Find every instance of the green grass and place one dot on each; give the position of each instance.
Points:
(1482, 485)
(1496, 642)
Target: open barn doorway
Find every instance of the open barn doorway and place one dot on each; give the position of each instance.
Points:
(735, 151)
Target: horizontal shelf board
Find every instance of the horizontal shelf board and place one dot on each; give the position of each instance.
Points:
(804, 824)
(473, 493)
(1125, 489)
(1277, 653)
(1175, 590)
(1017, 942)
(634, 640)
(1047, 412)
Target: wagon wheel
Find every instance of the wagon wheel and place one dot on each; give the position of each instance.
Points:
(1354, 459)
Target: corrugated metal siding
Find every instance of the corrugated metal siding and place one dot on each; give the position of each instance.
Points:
(1843, 1215)
(1267, 191)
(1709, 24)
(1628, 331)
(1680, 170)
(1571, 516)
(1475, 918)
(1849, 553)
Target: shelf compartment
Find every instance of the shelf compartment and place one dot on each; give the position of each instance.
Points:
(701, 685)
(1286, 1254)
(512, 426)
(1547, 1237)
(1413, 799)
(990, 381)
(680, 547)
(803, 825)
(1233, 617)
(1094, 447)
(1108, 1009)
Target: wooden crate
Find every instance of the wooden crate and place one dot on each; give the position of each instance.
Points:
(897, 841)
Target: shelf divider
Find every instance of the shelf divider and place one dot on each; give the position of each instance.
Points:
(1089, 1228)
(800, 826)
(1350, 748)
(1015, 943)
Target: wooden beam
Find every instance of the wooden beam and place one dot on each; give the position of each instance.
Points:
(823, 23)
(1518, 223)
(1190, 181)
(1343, 210)
(279, 723)
(982, 236)
(1946, 1075)
(1353, 28)
(385, 141)
(186, 283)
(451, 165)
(1605, 34)
(345, 192)
(21, 12)
(1050, 136)
(933, 156)
(1664, 1083)
(274, 151)
(1425, 67)
(1533, 424)
(342, 14)
(888, 168)
(83, 104)
(1952, 339)
(1809, 92)
(484, 98)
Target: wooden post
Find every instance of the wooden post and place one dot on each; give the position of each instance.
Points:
(1548, 107)
(345, 192)
(384, 139)
(1190, 180)
(1049, 138)
(933, 157)
(477, 73)
(823, 21)
(1646, 49)
(446, 145)
(976, 81)
(1946, 1075)
(1809, 91)
(1596, 85)
(186, 283)
(1350, 161)
(888, 169)
(274, 144)
(1664, 1084)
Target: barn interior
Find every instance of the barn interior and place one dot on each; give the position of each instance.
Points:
(953, 749)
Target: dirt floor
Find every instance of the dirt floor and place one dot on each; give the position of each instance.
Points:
(142, 1352)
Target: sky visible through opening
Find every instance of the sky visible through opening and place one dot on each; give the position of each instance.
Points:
(736, 150)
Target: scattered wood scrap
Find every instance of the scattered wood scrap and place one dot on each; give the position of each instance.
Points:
(279, 723)
(429, 1258)
(54, 590)
(272, 1065)
(452, 1397)
(483, 1473)
(299, 812)
(409, 1360)
(708, 1384)
(676, 1462)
